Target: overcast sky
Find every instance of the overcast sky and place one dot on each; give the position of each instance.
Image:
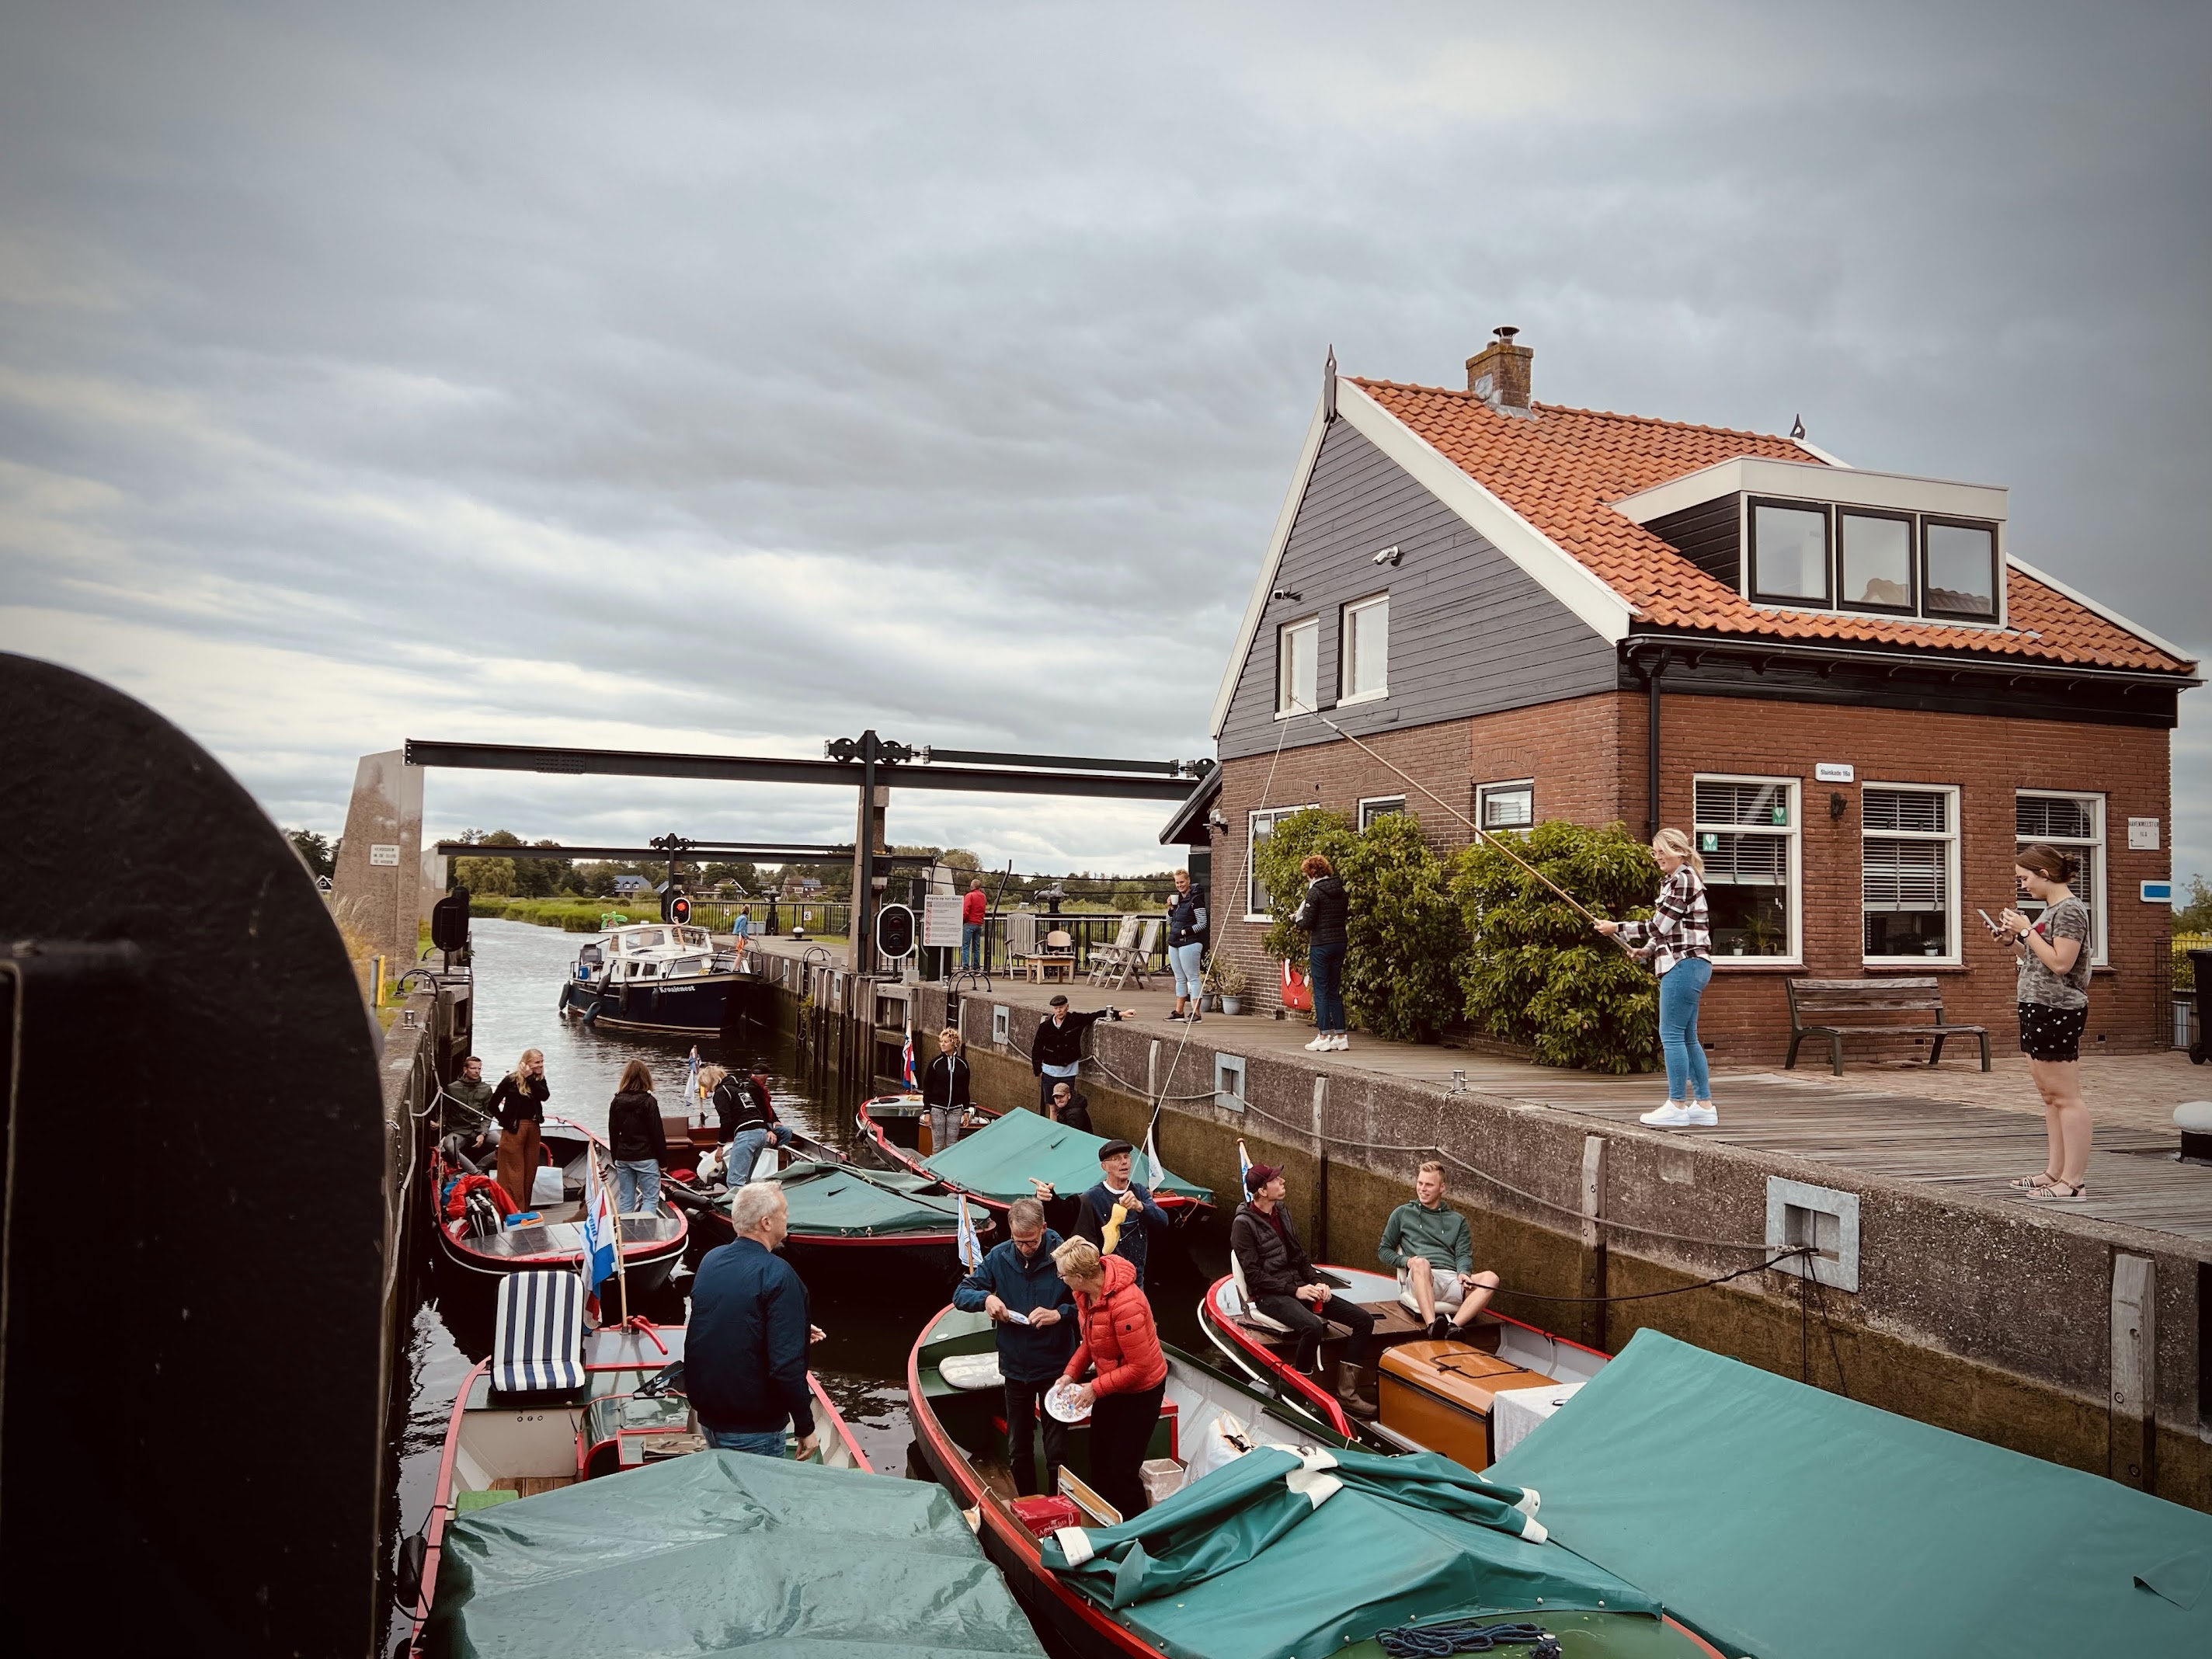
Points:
(726, 378)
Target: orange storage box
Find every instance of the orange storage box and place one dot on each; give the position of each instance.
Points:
(1440, 1394)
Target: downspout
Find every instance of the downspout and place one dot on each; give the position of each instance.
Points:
(1653, 666)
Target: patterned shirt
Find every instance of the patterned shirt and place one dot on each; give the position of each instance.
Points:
(2068, 919)
(1679, 927)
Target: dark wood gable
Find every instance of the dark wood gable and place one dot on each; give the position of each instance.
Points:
(1470, 632)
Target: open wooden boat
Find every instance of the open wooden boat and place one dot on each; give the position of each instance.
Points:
(479, 1257)
(558, 1404)
(1209, 1421)
(1469, 1399)
(993, 1164)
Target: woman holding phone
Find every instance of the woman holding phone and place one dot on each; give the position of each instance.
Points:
(2054, 1007)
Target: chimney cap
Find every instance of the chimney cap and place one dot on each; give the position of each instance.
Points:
(1505, 332)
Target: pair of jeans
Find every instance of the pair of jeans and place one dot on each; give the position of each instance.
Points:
(637, 1187)
(1024, 1420)
(1680, 987)
(1120, 1433)
(1186, 960)
(744, 1151)
(769, 1443)
(1325, 963)
(1312, 1328)
(971, 944)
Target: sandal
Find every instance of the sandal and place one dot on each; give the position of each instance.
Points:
(2077, 1192)
(2031, 1183)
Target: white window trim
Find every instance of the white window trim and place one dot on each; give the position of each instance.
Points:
(1282, 663)
(1344, 694)
(1794, 834)
(1953, 947)
(1366, 801)
(2100, 904)
(1484, 791)
(1274, 814)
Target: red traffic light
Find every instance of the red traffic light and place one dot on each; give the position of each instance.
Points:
(675, 907)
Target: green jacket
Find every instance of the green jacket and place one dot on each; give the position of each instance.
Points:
(1440, 1235)
(478, 1095)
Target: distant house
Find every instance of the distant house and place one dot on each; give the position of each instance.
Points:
(1844, 684)
(804, 887)
(632, 886)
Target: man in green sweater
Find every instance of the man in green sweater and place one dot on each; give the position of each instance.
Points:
(1427, 1241)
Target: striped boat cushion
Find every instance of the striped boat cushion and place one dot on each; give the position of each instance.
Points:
(539, 1343)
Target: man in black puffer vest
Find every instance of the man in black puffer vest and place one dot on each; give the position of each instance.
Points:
(1284, 1284)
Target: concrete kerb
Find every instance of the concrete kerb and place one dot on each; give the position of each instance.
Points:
(2014, 1295)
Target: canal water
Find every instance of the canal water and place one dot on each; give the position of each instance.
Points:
(871, 1320)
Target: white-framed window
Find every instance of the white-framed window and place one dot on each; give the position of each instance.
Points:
(1366, 654)
(1380, 807)
(1506, 805)
(1297, 665)
(1258, 827)
(2076, 824)
(1909, 872)
(1746, 830)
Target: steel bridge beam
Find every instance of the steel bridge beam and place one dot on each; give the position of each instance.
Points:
(701, 852)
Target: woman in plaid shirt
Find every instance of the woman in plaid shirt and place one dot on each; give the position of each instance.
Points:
(1681, 951)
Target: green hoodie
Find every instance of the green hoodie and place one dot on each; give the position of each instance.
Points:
(1440, 1235)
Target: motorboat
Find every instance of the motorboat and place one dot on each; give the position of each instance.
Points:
(1470, 1396)
(652, 976)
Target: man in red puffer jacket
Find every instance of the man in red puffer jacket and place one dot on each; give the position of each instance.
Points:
(1116, 1336)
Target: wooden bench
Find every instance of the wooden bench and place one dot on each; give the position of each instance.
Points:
(1826, 1008)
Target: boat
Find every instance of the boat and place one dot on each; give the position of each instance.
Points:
(843, 1210)
(652, 976)
(481, 1253)
(1319, 1575)
(1470, 1397)
(996, 1164)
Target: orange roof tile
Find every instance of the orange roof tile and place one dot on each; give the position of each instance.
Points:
(1561, 470)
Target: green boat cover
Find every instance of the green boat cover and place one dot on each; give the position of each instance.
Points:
(1776, 1519)
(718, 1552)
(999, 1160)
(837, 1200)
(1279, 1557)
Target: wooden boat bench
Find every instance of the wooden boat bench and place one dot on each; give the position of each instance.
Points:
(1837, 1008)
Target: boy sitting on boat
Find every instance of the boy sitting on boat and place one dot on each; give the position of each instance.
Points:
(1428, 1242)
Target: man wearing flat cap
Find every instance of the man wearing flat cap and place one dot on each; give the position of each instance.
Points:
(1118, 1215)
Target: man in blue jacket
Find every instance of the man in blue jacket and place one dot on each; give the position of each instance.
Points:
(1018, 1285)
(745, 1352)
(1118, 1215)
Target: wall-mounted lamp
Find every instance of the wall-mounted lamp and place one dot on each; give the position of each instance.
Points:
(1837, 805)
(1390, 556)
(1289, 593)
(1215, 821)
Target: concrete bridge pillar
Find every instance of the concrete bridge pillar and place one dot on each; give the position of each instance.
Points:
(376, 890)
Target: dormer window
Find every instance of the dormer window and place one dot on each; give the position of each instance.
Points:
(1877, 561)
(1962, 568)
(1789, 553)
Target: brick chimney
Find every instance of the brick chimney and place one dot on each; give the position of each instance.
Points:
(1499, 374)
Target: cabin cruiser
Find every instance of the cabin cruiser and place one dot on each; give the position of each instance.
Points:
(652, 976)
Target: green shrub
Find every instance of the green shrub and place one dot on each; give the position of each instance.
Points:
(1535, 973)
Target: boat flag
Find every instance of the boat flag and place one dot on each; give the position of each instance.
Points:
(600, 1235)
(906, 1061)
(1153, 1157)
(971, 1248)
(691, 1085)
(1243, 1161)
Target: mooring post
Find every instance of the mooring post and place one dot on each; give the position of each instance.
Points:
(2134, 1400)
(1594, 1275)
(1321, 1178)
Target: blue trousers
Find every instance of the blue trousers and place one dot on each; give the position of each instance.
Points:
(1187, 961)
(1326, 964)
(769, 1444)
(1680, 987)
(637, 1187)
(971, 944)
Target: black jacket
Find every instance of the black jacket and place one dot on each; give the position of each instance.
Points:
(634, 1130)
(745, 1351)
(1187, 917)
(1077, 1113)
(1134, 1241)
(741, 1105)
(947, 1082)
(514, 1107)
(1323, 911)
(1062, 1044)
(1271, 1268)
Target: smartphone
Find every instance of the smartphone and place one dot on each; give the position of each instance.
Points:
(1995, 931)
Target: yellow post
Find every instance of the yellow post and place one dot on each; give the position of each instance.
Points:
(376, 982)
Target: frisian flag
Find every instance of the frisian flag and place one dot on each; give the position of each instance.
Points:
(600, 1235)
(971, 1248)
(906, 1061)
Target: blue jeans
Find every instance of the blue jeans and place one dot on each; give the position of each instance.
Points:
(1326, 964)
(1680, 987)
(769, 1444)
(1186, 960)
(744, 1151)
(971, 944)
(637, 1187)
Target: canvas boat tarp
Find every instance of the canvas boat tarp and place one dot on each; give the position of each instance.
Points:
(720, 1552)
(999, 1160)
(839, 1200)
(1274, 1556)
(1778, 1519)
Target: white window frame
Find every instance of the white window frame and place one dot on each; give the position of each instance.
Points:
(1954, 948)
(1286, 703)
(1345, 654)
(1274, 814)
(2098, 902)
(1483, 792)
(1389, 804)
(1795, 957)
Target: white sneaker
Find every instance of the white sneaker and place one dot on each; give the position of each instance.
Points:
(1340, 1043)
(1701, 1113)
(1672, 1115)
(1320, 1043)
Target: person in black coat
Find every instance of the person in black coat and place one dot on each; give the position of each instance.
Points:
(638, 1140)
(519, 1103)
(1056, 1050)
(1322, 914)
(946, 1091)
(1284, 1284)
(1069, 1105)
(748, 1120)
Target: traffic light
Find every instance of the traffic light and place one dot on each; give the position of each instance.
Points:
(675, 906)
(895, 930)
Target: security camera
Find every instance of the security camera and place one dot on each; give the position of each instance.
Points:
(1214, 820)
(1289, 593)
(1389, 555)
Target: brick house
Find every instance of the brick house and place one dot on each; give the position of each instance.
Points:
(1842, 683)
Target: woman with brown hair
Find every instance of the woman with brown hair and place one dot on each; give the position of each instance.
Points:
(2053, 993)
(519, 1103)
(1117, 1335)
(1322, 914)
(636, 1138)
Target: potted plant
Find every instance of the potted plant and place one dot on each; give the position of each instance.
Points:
(1226, 980)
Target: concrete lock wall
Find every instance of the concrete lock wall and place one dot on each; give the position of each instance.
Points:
(2008, 1325)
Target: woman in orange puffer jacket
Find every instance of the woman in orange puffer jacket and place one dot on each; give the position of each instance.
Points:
(1119, 1339)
